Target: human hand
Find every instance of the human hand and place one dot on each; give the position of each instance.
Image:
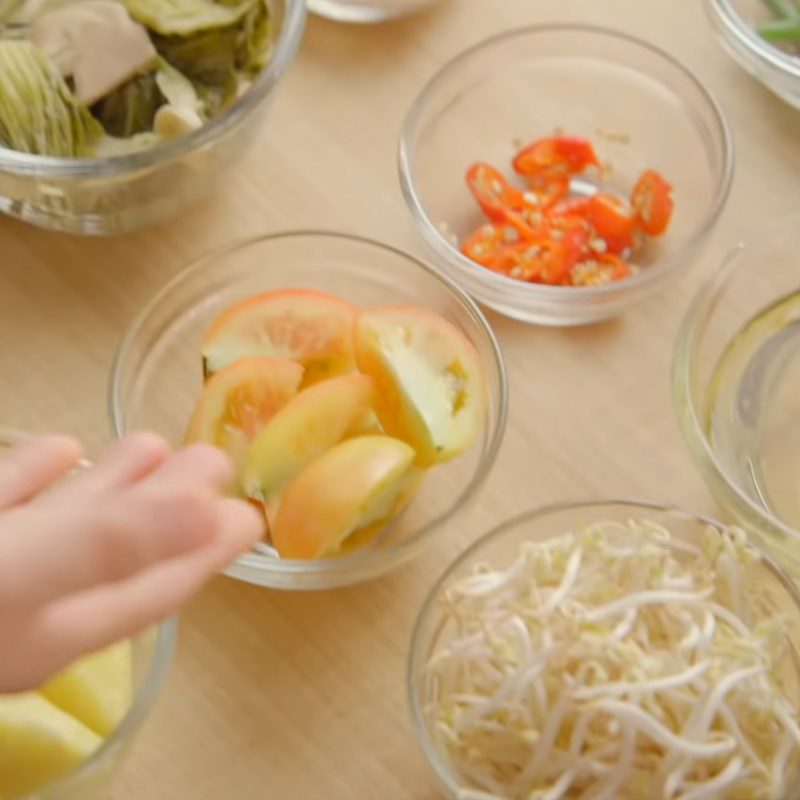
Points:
(99, 557)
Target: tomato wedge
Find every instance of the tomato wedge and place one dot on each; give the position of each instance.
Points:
(353, 489)
(653, 201)
(239, 400)
(612, 221)
(431, 390)
(305, 427)
(556, 156)
(304, 325)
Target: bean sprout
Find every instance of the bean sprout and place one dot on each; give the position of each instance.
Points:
(618, 663)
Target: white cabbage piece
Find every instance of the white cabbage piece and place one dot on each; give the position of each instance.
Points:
(38, 113)
(96, 43)
(186, 17)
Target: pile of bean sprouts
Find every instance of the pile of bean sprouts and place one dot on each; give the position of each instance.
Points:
(618, 663)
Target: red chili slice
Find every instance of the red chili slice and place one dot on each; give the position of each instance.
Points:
(493, 192)
(542, 261)
(600, 269)
(556, 156)
(652, 200)
(612, 221)
(484, 243)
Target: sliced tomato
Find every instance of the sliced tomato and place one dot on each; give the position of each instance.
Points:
(305, 427)
(601, 268)
(353, 489)
(556, 156)
(310, 327)
(544, 260)
(653, 201)
(239, 400)
(612, 221)
(431, 389)
(486, 240)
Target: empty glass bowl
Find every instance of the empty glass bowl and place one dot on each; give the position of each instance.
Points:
(500, 548)
(736, 377)
(152, 653)
(158, 375)
(641, 109)
(735, 23)
(119, 194)
(366, 11)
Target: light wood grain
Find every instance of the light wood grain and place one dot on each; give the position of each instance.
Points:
(295, 697)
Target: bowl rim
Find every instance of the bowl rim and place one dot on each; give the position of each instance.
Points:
(415, 655)
(359, 560)
(284, 49)
(543, 292)
(689, 336)
(746, 35)
(149, 689)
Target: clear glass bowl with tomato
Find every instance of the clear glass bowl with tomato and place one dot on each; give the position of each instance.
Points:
(590, 164)
(159, 375)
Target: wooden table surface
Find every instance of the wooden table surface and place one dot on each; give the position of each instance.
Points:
(291, 697)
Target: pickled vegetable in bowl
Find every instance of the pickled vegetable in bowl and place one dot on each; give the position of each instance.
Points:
(96, 78)
(332, 415)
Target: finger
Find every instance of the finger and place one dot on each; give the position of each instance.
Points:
(102, 616)
(125, 461)
(196, 465)
(107, 541)
(34, 465)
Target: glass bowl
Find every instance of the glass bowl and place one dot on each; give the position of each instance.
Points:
(735, 377)
(500, 548)
(734, 22)
(641, 109)
(152, 653)
(367, 11)
(157, 374)
(121, 193)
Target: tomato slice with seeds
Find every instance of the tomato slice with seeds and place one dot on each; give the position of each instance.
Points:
(612, 221)
(304, 325)
(556, 156)
(485, 241)
(652, 200)
(238, 400)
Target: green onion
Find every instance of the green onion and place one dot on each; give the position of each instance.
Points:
(783, 8)
(784, 30)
